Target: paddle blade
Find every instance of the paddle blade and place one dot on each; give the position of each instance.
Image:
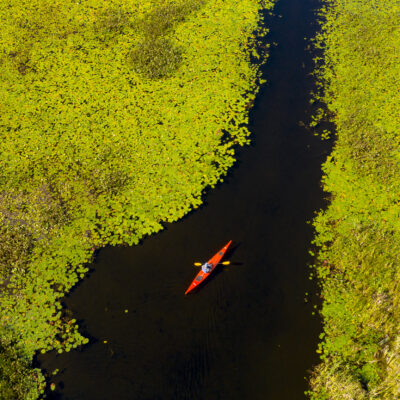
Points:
(197, 264)
(226, 263)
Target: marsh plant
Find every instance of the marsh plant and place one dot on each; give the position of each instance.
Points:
(114, 120)
(156, 56)
(358, 235)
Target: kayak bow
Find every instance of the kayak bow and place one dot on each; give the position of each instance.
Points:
(214, 261)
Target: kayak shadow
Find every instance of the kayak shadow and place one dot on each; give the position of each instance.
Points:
(231, 250)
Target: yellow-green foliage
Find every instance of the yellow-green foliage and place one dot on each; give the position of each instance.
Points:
(18, 381)
(115, 115)
(359, 234)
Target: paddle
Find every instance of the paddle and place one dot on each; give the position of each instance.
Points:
(197, 264)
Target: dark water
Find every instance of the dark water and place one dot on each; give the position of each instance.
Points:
(248, 333)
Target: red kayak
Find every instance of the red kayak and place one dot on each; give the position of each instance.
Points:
(212, 262)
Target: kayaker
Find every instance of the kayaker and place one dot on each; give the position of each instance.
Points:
(206, 267)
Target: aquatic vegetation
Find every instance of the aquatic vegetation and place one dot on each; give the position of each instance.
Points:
(18, 380)
(156, 59)
(358, 236)
(156, 56)
(115, 118)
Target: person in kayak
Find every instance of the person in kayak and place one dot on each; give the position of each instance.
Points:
(206, 268)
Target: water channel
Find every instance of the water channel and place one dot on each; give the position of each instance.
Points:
(248, 333)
